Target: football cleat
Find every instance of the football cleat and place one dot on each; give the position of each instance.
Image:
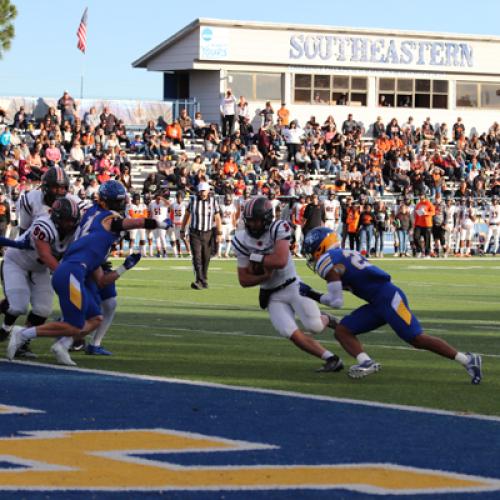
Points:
(78, 345)
(333, 364)
(97, 350)
(16, 340)
(364, 369)
(25, 351)
(62, 354)
(474, 368)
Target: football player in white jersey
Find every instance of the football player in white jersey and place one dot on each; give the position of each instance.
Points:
(264, 259)
(332, 211)
(228, 224)
(33, 204)
(467, 218)
(159, 209)
(297, 219)
(240, 203)
(137, 210)
(493, 226)
(26, 273)
(450, 233)
(178, 213)
(276, 205)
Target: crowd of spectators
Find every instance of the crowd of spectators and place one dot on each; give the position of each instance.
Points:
(279, 155)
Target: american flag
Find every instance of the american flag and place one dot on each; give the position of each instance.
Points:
(82, 33)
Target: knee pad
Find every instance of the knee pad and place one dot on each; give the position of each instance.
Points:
(313, 324)
(35, 320)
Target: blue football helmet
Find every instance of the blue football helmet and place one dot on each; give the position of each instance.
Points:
(114, 195)
(317, 242)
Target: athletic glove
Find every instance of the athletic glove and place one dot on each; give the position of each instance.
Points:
(307, 291)
(128, 263)
(131, 261)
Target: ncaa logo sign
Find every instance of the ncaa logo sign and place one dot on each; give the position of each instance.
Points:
(207, 34)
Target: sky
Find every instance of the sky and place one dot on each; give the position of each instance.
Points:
(44, 60)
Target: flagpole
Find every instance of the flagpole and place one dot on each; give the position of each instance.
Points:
(82, 75)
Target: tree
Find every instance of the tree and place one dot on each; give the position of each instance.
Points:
(8, 13)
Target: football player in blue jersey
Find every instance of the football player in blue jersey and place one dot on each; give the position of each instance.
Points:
(100, 227)
(387, 304)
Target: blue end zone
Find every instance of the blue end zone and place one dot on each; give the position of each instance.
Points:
(302, 430)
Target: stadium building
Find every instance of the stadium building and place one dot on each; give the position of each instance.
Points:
(320, 70)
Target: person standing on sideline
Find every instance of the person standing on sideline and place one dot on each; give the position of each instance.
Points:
(202, 213)
(424, 212)
(4, 214)
(228, 111)
(332, 211)
(314, 215)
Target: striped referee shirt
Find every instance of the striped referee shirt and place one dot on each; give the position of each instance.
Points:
(203, 213)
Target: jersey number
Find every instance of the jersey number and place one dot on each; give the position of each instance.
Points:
(356, 259)
(39, 235)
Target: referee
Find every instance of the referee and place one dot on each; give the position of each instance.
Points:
(202, 214)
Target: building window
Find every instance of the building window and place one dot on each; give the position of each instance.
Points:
(413, 93)
(478, 95)
(326, 89)
(256, 86)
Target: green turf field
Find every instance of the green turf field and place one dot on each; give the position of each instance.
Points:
(220, 335)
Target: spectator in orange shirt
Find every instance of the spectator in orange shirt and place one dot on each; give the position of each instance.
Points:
(424, 212)
(396, 143)
(352, 225)
(383, 143)
(174, 132)
(230, 167)
(284, 115)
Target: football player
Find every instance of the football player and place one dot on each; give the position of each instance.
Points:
(387, 304)
(137, 210)
(264, 259)
(177, 216)
(159, 209)
(26, 274)
(33, 204)
(100, 227)
(493, 227)
(332, 211)
(228, 224)
(149, 233)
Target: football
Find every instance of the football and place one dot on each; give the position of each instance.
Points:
(257, 268)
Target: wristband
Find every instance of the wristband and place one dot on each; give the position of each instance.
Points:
(120, 270)
(257, 257)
